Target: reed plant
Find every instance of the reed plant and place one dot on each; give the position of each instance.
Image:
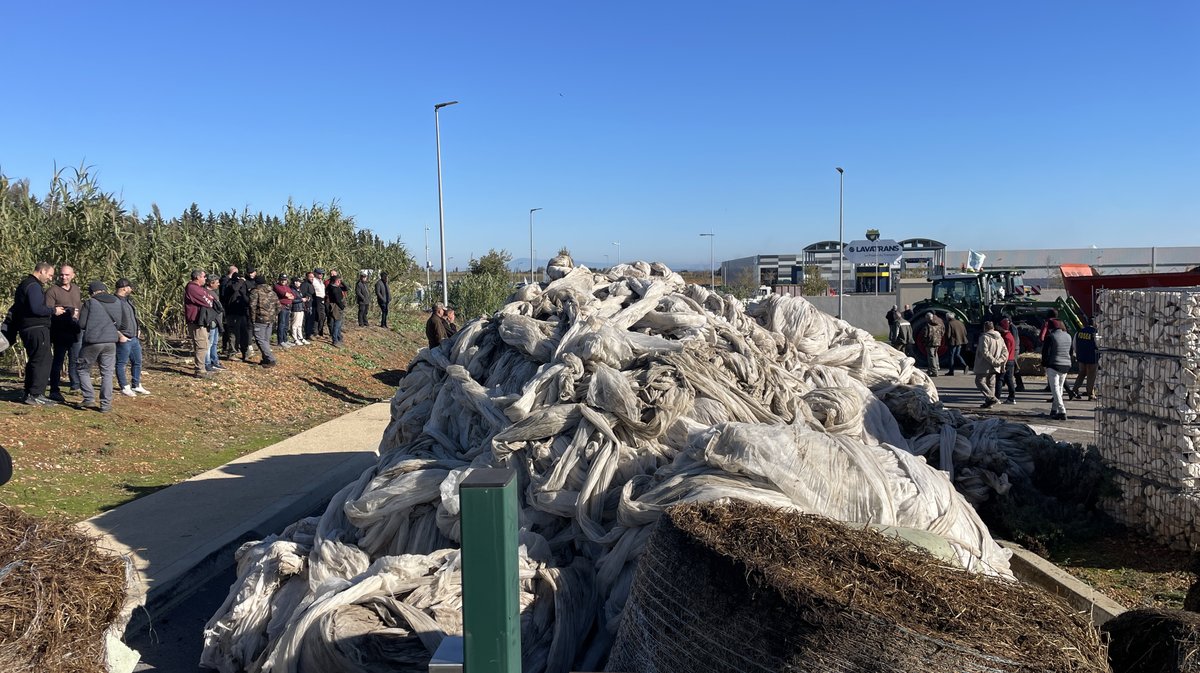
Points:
(78, 223)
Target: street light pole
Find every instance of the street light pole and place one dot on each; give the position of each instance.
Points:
(712, 270)
(427, 265)
(841, 245)
(618, 244)
(437, 135)
(531, 212)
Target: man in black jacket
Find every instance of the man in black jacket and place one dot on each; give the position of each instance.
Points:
(362, 297)
(33, 318)
(383, 297)
(236, 301)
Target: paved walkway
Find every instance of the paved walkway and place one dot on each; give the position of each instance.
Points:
(183, 535)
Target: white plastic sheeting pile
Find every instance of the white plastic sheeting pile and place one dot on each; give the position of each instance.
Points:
(613, 396)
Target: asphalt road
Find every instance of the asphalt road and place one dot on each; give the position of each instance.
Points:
(172, 643)
(1032, 407)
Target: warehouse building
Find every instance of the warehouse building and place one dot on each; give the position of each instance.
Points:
(922, 256)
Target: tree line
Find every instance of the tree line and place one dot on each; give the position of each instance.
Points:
(78, 223)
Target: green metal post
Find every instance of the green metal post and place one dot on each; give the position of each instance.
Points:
(491, 612)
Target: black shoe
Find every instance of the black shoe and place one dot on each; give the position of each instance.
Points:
(1009, 401)
(104, 410)
(269, 363)
(1020, 389)
(57, 396)
(37, 401)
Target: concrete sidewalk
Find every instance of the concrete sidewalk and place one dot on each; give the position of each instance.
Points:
(182, 536)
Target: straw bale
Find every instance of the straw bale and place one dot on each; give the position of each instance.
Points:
(59, 594)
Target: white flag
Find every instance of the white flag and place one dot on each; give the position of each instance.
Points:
(975, 260)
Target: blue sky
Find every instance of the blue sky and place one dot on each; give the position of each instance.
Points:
(984, 125)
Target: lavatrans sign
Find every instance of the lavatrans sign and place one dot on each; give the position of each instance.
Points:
(883, 251)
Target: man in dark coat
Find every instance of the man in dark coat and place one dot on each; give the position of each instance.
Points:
(383, 297)
(32, 316)
(932, 333)
(335, 308)
(435, 328)
(362, 297)
(956, 335)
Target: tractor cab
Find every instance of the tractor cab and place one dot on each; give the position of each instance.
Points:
(973, 294)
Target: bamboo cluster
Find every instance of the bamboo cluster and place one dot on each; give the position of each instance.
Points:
(1164, 321)
(1148, 426)
(79, 224)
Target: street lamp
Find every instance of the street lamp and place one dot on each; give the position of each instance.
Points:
(437, 135)
(618, 244)
(427, 265)
(841, 245)
(531, 212)
(712, 270)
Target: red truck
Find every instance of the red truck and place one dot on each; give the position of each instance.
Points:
(1081, 282)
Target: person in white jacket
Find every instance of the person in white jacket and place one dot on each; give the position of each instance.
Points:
(990, 356)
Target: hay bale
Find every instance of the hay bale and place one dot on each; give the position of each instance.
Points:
(1154, 641)
(741, 587)
(58, 596)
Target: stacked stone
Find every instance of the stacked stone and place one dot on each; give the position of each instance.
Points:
(1148, 423)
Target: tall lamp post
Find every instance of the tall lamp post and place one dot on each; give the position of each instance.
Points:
(618, 244)
(712, 270)
(841, 245)
(437, 135)
(531, 212)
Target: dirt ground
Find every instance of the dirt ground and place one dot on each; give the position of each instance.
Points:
(1126, 566)
(76, 462)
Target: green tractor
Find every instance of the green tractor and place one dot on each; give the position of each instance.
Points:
(974, 297)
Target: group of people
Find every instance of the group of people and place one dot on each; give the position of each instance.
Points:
(994, 362)
(996, 352)
(57, 326)
(238, 314)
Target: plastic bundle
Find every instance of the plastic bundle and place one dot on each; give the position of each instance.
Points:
(612, 396)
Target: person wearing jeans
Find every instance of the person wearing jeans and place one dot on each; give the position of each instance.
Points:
(286, 297)
(130, 350)
(214, 319)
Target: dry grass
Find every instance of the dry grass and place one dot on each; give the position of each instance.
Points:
(58, 595)
(824, 568)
